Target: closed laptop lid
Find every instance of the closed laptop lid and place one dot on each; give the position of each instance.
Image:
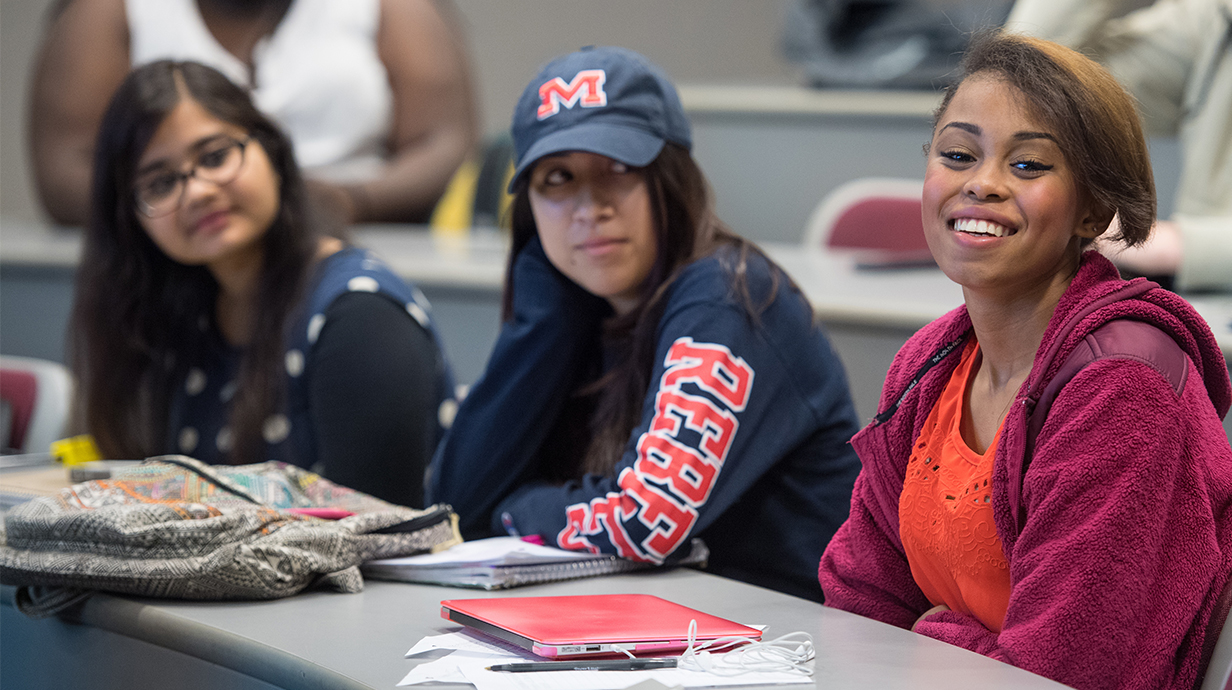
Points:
(591, 625)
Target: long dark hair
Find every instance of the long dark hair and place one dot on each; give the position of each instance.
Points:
(686, 229)
(136, 313)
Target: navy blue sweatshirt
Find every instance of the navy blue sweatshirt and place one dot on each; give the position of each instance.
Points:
(743, 439)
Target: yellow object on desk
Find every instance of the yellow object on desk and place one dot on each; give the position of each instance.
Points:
(76, 450)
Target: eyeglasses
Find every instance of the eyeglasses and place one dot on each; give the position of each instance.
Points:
(161, 192)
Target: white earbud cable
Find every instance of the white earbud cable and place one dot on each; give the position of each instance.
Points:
(791, 652)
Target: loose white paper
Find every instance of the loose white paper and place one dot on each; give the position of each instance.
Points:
(494, 550)
(471, 654)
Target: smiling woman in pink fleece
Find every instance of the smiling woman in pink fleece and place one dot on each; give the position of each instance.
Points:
(1047, 482)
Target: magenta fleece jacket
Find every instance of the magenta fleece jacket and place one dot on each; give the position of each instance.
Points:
(1123, 542)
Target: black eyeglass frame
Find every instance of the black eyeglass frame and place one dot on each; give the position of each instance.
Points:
(147, 210)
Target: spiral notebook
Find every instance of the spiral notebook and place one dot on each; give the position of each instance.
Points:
(504, 562)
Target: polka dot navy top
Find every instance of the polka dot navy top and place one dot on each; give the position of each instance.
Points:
(197, 424)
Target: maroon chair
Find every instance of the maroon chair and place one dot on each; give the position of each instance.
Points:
(871, 217)
(38, 395)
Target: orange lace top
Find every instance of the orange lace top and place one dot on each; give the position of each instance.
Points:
(945, 512)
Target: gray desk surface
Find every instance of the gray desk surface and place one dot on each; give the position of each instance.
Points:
(325, 639)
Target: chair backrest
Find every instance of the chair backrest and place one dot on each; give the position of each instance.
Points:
(39, 395)
(476, 196)
(881, 213)
(1219, 668)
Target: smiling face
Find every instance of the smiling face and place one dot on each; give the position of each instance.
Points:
(215, 224)
(594, 220)
(1003, 211)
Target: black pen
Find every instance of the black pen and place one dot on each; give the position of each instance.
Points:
(593, 665)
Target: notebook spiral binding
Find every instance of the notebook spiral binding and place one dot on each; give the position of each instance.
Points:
(493, 577)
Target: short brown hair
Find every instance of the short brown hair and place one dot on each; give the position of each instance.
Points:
(1092, 115)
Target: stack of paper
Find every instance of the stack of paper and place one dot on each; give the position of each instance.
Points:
(469, 654)
(502, 562)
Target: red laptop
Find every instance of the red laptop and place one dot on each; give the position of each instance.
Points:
(592, 625)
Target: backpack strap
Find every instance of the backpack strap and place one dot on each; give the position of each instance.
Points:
(1117, 339)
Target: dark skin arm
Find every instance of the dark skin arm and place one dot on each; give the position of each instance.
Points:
(434, 122)
(84, 57)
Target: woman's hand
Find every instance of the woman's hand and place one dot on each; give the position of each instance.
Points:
(936, 609)
(434, 120)
(336, 204)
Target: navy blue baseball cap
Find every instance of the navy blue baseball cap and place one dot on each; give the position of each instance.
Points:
(609, 101)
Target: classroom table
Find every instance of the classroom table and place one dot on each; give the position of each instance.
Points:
(351, 641)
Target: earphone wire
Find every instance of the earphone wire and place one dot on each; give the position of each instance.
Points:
(790, 652)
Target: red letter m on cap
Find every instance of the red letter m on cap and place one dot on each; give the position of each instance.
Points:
(586, 88)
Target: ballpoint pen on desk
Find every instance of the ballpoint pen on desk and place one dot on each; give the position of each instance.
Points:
(593, 665)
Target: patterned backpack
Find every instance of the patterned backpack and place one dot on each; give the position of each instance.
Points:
(175, 527)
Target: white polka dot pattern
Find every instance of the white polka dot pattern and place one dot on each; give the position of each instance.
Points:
(295, 362)
(420, 297)
(195, 382)
(276, 428)
(227, 391)
(223, 440)
(417, 313)
(363, 284)
(446, 412)
(187, 440)
(315, 324)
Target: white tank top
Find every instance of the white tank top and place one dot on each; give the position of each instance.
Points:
(318, 75)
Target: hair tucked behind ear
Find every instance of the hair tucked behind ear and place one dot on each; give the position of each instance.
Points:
(1093, 117)
(686, 230)
(136, 316)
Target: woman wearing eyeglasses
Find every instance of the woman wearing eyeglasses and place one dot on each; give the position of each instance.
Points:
(214, 319)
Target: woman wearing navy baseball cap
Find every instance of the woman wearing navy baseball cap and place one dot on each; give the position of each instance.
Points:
(656, 378)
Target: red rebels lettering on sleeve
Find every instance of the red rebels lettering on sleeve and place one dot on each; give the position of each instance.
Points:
(600, 515)
(687, 473)
(669, 522)
(713, 368)
(718, 426)
(682, 467)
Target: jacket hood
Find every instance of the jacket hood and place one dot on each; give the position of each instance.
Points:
(1098, 295)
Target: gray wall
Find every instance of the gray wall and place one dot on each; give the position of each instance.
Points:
(20, 29)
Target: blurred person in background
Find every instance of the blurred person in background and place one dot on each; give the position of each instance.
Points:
(1175, 57)
(374, 94)
(895, 44)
